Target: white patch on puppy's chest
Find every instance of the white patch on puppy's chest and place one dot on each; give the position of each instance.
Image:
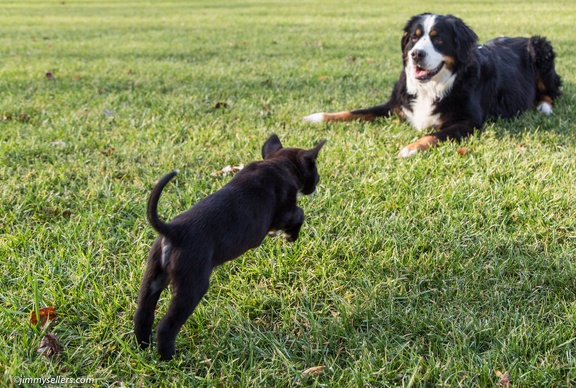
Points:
(421, 116)
(166, 250)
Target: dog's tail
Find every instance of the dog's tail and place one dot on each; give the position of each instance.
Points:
(542, 55)
(161, 227)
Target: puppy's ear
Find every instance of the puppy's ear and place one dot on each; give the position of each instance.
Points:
(312, 153)
(272, 145)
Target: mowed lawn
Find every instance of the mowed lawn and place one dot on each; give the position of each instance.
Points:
(456, 267)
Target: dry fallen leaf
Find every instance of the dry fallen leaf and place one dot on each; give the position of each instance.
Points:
(49, 345)
(228, 170)
(504, 379)
(220, 105)
(22, 117)
(54, 212)
(109, 151)
(462, 151)
(522, 147)
(50, 76)
(45, 314)
(314, 371)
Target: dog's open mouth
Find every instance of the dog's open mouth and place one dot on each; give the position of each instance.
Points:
(424, 75)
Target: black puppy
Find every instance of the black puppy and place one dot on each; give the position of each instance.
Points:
(260, 199)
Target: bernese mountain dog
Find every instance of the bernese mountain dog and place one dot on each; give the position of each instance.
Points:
(452, 84)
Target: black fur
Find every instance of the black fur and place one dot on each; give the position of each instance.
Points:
(259, 199)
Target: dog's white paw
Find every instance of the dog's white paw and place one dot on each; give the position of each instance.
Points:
(406, 152)
(314, 118)
(545, 108)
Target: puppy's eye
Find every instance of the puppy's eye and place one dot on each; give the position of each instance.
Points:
(415, 38)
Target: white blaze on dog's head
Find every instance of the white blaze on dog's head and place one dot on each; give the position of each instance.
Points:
(423, 57)
(428, 69)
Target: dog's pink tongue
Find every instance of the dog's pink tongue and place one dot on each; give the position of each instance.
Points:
(420, 72)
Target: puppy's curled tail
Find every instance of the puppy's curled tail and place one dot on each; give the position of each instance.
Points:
(161, 227)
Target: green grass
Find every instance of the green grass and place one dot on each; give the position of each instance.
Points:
(439, 270)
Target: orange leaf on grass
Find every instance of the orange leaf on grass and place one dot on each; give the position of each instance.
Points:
(462, 151)
(45, 314)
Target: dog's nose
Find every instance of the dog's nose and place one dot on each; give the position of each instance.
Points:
(418, 55)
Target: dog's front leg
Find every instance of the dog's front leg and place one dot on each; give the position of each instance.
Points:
(455, 131)
(293, 224)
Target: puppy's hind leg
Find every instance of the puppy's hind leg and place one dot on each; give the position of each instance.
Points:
(154, 282)
(187, 291)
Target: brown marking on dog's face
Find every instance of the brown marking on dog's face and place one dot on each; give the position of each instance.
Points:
(423, 143)
(449, 62)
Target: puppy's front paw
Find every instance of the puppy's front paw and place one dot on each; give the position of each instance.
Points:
(314, 118)
(290, 237)
(291, 234)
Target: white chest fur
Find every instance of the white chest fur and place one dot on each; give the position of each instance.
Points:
(421, 116)
(427, 94)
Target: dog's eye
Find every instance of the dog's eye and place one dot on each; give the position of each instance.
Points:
(415, 38)
(438, 40)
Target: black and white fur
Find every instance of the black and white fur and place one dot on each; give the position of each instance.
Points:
(452, 84)
(260, 199)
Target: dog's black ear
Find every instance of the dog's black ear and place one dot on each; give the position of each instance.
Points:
(312, 153)
(407, 30)
(272, 145)
(465, 40)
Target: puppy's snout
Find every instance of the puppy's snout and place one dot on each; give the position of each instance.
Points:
(418, 55)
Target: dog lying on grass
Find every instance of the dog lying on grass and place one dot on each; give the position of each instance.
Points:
(451, 84)
(259, 200)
